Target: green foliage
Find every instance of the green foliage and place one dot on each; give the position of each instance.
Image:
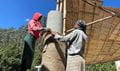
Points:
(37, 59)
(10, 58)
(110, 66)
(11, 46)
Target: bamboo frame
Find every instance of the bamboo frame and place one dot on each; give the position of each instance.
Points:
(103, 18)
(106, 10)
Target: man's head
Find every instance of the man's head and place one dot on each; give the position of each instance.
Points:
(80, 24)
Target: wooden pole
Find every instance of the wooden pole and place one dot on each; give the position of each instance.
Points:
(64, 17)
(99, 20)
(94, 22)
(57, 5)
(61, 5)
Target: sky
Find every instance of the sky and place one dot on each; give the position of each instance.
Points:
(112, 3)
(15, 13)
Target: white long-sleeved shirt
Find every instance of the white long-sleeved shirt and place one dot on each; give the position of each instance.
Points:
(75, 39)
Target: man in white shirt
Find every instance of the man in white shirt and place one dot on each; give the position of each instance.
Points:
(75, 40)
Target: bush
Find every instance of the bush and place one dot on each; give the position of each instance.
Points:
(109, 66)
(10, 57)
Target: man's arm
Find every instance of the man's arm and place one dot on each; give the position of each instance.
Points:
(66, 37)
(85, 36)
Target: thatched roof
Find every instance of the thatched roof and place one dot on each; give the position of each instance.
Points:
(104, 37)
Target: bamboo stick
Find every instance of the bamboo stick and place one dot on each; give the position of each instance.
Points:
(57, 5)
(61, 4)
(64, 17)
(99, 20)
(96, 21)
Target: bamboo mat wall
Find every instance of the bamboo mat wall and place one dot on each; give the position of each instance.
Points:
(104, 37)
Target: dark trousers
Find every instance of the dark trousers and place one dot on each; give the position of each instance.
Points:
(28, 52)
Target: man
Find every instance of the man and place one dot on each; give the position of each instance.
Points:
(35, 30)
(75, 39)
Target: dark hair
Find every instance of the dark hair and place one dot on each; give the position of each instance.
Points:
(82, 25)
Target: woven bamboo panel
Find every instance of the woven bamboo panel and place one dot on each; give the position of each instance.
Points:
(104, 37)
